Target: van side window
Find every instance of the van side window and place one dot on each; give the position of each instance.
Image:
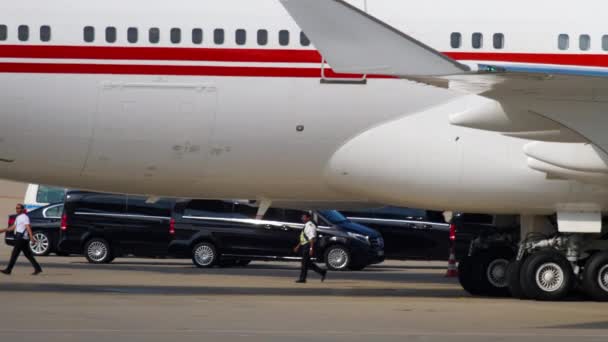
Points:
(456, 40)
(477, 40)
(218, 36)
(208, 208)
(197, 36)
(49, 194)
(584, 42)
(45, 33)
(240, 36)
(132, 35)
(499, 40)
(102, 204)
(284, 37)
(262, 37)
(563, 41)
(23, 33)
(111, 34)
(304, 41)
(89, 34)
(154, 35)
(137, 205)
(176, 35)
(3, 32)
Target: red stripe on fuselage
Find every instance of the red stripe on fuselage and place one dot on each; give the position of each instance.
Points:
(160, 53)
(172, 70)
(584, 60)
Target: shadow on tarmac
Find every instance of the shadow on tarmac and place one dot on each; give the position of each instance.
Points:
(256, 269)
(292, 290)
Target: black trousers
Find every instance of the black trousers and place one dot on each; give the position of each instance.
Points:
(22, 245)
(306, 263)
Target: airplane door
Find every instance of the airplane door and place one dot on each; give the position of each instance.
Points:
(154, 130)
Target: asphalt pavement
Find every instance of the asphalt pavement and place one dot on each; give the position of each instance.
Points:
(170, 300)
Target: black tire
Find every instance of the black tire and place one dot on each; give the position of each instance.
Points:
(514, 279)
(204, 255)
(98, 251)
(43, 244)
(337, 258)
(557, 283)
(468, 275)
(595, 277)
(110, 260)
(493, 268)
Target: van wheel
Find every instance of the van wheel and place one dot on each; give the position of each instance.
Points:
(204, 255)
(42, 247)
(97, 251)
(337, 258)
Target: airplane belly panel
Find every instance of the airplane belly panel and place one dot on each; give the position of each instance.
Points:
(152, 130)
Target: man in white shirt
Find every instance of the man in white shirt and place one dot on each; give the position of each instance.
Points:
(23, 232)
(307, 244)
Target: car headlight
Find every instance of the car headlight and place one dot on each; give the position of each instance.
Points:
(360, 237)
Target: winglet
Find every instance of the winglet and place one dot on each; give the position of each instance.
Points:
(352, 41)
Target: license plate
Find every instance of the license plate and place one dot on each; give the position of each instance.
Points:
(380, 253)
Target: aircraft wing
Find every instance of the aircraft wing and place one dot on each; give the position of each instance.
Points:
(355, 42)
(558, 109)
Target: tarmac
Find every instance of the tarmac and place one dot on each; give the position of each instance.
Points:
(170, 300)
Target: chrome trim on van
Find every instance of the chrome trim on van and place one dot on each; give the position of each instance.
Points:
(395, 221)
(122, 215)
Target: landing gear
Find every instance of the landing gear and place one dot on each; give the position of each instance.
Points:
(547, 275)
(485, 273)
(595, 277)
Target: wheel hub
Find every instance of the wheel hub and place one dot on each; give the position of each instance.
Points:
(337, 258)
(41, 245)
(204, 255)
(97, 251)
(549, 277)
(602, 278)
(497, 273)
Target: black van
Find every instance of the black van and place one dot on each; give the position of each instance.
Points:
(105, 226)
(213, 231)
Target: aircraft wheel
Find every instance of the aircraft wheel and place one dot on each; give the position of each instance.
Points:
(547, 275)
(595, 277)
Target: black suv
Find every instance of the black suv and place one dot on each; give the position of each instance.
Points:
(45, 222)
(213, 231)
(104, 226)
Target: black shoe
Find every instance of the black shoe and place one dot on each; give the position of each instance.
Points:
(37, 272)
(300, 281)
(323, 276)
(6, 272)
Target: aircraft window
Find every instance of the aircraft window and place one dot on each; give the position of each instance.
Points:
(477, 40)
(89, 34)
(605, 43)
(3, 32)
(563, 42)
(111, 34)
(45, 33)
(262, 37)
(154, 35)
(240, 36)
(284, 37)
(499, 40)
(584, 42)
(176, 35)
(24, 33)
(304, 41)
(132, 35)
(197, 36)
(456, 40)
(218, 36)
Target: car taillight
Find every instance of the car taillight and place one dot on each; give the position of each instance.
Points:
(172, 226)
(452, 232)
(64, 222)
(11, 220)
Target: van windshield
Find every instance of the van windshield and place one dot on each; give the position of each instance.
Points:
(333, 216)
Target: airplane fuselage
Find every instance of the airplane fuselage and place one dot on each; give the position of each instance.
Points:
(231, 102)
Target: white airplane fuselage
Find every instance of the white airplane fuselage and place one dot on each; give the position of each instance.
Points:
(227, 120)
